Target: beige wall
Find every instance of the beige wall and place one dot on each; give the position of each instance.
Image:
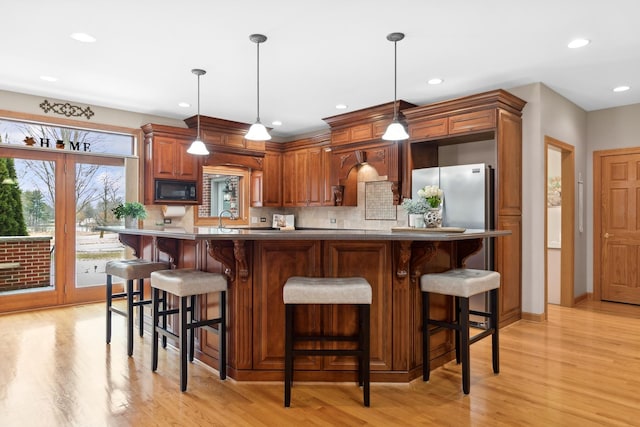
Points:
(29, 104)
(547, 114)
(606, 130)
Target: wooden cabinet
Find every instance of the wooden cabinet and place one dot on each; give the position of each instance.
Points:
(495, 115)
(276, 261)
(272, 179)
(255, 191)
(304, 179)
(171, 160)
(165, 157)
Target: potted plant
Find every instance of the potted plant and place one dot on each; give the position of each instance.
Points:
(433, 196)
(416, 208)
(131, 212)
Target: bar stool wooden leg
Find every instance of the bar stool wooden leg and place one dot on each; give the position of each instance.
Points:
(365, 313)
(183, 342)
(426, 346)
(456, 319)
(130, 308)
(109, 303)
(463, 330)
(155, 302)
(288, 351)
(222, 335)
(140, 294)
(495, 352)
(194, 318)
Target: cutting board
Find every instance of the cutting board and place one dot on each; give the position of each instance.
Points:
(430, 230)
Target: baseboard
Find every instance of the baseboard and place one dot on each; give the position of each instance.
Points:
(533, 317)
(587, 296)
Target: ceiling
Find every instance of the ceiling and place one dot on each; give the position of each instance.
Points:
(318, 54)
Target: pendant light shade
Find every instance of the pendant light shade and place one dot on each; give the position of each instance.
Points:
(257, 131)
(395, 130)
(197, 147)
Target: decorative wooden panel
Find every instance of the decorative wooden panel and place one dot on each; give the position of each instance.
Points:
(472, 122)
(371, 260)
(275, 262)
(429, 128)
(509, 265)
(509, 170)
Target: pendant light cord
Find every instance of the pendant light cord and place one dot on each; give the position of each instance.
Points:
(395, 80)
(258, 82)
(198, 136)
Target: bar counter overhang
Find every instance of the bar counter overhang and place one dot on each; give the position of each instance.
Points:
(258, 262)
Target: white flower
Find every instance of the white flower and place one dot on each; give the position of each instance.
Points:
(432, 194)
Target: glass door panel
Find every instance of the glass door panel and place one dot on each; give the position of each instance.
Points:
(28, 232)
(99, 187)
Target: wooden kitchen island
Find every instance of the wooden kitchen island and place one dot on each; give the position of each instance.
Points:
(258, 262)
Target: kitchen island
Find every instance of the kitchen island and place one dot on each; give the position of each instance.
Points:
(258, 262)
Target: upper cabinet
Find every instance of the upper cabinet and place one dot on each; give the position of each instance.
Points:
(166, 157)
(356, 139)
(306, 172)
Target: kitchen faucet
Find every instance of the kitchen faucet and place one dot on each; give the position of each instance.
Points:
(231, 216)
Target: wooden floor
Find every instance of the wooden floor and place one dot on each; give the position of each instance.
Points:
(581, 368)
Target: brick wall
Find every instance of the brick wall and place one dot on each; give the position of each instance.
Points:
(25, 262)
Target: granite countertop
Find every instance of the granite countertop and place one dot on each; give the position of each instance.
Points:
(215, 233)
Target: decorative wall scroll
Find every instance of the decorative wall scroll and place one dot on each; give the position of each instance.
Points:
(66, 109)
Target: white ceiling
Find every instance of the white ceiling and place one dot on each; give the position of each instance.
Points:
(318, 54)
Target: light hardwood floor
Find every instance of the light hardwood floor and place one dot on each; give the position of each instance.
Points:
(581, 367)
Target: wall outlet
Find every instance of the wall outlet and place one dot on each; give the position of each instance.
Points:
(254, 220)
(263, 219)
(332, 220)
(167, 220)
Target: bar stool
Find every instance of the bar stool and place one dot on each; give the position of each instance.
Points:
(129, 270)
(322, 290)
(462, 284)
(187, 284)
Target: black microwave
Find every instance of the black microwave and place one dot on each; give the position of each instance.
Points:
(176, 191)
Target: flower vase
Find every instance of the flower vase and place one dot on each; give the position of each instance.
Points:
(130, 222)
(433, 217)
(416, 220)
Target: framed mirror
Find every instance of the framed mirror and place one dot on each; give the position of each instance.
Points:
(225, 192)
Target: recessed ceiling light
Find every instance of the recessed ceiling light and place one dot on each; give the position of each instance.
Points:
(49, 78)
(574, 44)
(276, 123)
(341, 106)
(621, 88)
(435, 81)
(184, 104)
(83, 37)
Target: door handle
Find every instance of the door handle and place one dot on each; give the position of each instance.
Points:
(607, 235)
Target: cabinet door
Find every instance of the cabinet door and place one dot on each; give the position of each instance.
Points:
(301, 178)
(315, 177)
(275, 262)
(327, 192)
(256, 193)
(186, 164)
(164, 157)
(371, 260)
(272, 180)
(288, 178)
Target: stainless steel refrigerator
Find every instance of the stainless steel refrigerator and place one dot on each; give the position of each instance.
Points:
(468, 202)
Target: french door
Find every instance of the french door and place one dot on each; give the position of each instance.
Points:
(65, 196)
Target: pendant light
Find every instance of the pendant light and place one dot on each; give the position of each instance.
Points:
(257, 131)
(395, 130)
(197, 147)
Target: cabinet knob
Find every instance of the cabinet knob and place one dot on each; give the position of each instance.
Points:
(607, 235)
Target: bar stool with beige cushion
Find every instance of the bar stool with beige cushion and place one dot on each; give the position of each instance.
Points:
(186, 284)
(130, 270)
(325, 290)
(461, 283)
